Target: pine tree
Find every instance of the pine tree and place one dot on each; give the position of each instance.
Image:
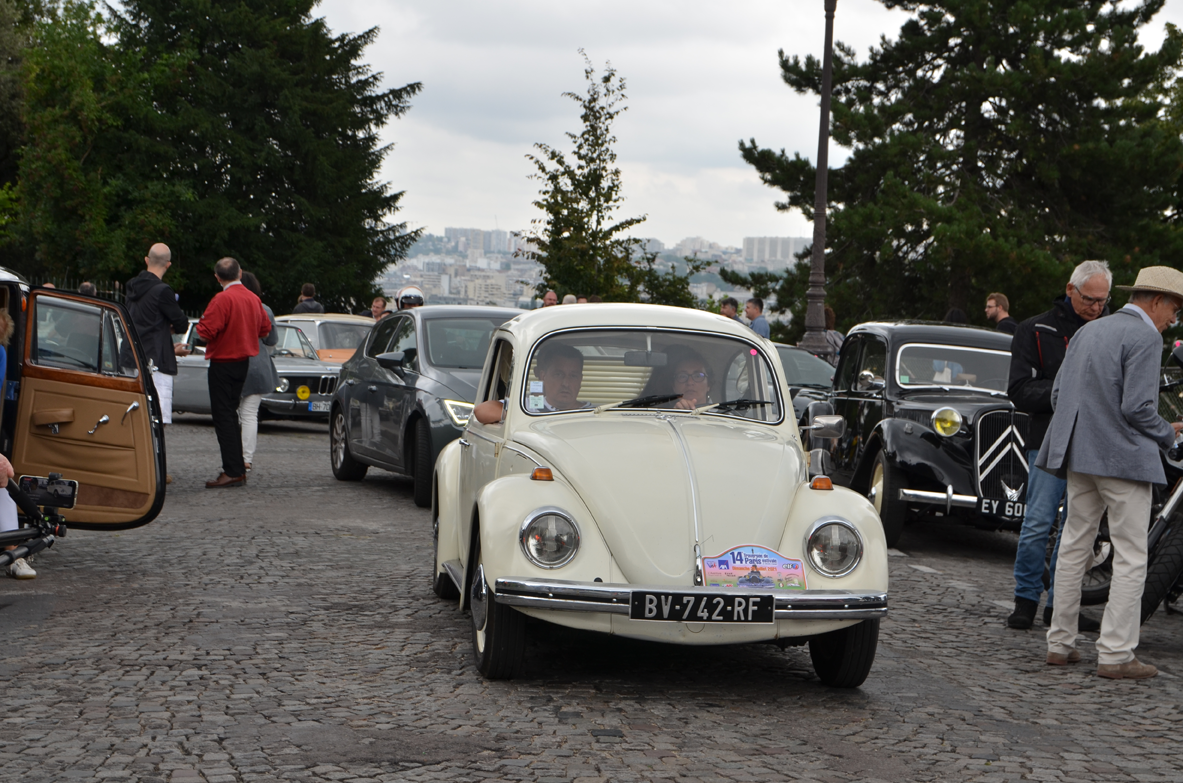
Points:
(582, 247)
(994, 145)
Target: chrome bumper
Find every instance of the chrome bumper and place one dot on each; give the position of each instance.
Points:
(946, 498)
(564, 596)
(292, 406)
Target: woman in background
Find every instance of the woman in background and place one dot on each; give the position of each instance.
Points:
(261, 378)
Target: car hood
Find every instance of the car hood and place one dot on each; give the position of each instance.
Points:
(461, 383)
(641, 476)
(293, 365)
(920, 405)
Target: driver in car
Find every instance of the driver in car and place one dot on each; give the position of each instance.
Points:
(560, 374)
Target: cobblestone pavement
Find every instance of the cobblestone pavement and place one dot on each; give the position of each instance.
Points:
(287, 632)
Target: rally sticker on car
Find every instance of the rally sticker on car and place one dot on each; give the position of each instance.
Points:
(755, 567)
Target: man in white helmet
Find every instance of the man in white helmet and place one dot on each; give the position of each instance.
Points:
(410, 296)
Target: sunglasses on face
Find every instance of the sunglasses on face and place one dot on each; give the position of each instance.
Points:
(1093, 301)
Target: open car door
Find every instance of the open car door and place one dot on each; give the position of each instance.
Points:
(87, 409)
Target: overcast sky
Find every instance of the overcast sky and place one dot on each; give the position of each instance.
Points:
(700, 75)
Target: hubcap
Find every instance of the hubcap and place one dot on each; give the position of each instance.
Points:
(477, 598)
(338, 439)
(876, 494)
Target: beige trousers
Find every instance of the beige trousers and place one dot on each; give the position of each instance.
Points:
(1129, 520)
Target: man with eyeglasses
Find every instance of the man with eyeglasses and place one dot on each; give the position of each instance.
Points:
(559, 371)
(1037, 351)
(1105, 439)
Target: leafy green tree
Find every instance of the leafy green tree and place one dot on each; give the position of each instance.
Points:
(237, 128)
(13, 42)
(582, 246)
(994, 145)
(80, 198)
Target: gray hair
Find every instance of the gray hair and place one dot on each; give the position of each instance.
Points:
(1088, 270)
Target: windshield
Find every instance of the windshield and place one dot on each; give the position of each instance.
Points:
(804, 369)
(578, 371)
(947, 365)
(460, 343)
(290, 341)
(342, 336)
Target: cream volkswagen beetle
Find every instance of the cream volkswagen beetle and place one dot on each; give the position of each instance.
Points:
(640, 473)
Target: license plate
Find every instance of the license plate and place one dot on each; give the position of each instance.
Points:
(701, 608)
(1001, 508)
(319, 407)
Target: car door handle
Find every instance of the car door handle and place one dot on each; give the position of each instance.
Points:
(105, 419)
(135, 406)
(464, 443)
(372, 388)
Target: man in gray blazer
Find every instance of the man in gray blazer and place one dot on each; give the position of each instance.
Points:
(1104, 437)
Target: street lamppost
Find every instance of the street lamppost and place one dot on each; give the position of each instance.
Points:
(814, 339)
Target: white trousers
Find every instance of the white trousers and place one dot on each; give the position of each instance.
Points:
(248, 421)
(164, 389)
(1129, 520)
(7, 512)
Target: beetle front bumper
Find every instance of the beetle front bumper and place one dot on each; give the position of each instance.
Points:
(561, 595)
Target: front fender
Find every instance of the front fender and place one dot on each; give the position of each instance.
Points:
(504, 504)
(810, 505)
(927, 458)
(445, 504)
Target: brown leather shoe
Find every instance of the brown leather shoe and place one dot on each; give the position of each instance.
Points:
(1063, 659)
(1130, 670)
(225, 481)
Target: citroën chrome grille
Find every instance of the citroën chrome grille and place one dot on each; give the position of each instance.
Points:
(1000, 464)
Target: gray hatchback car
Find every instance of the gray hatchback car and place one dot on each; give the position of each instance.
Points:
(408, 391)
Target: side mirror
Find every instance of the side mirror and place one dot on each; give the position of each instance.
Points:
(392, 361)
(827, 427)
(1177, 355)
(868, 381)
(819, 463)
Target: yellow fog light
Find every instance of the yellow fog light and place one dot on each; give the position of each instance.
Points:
(303, 392)
(946, 421)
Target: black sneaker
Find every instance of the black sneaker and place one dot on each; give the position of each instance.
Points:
(1084, 623)
(1024, 615)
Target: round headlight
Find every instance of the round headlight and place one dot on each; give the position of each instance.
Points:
(834, 547)
(550, 538)
(283, 385)
(946, 421)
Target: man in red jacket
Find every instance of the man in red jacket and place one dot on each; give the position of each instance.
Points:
(232, 325)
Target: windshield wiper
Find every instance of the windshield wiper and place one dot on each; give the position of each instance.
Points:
(640, 402)
(742, 402)
(929, 387)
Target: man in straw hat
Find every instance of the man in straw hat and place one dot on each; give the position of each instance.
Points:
(1104, 437)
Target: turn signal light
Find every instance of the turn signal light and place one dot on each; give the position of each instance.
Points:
(542, 474)
(821, 482)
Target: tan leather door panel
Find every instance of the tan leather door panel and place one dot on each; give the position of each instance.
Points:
(106, 460)
(83, 411)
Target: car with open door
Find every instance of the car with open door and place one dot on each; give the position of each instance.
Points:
(78, 400)
(637, 470)
(929, 427)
